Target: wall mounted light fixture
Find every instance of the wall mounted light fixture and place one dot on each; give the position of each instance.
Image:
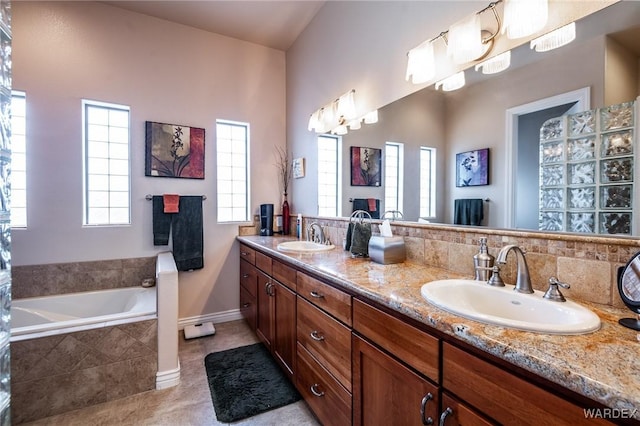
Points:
(466, 41)
(554, 39)
(339, 116)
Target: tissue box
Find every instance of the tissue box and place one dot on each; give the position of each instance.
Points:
(387, 250)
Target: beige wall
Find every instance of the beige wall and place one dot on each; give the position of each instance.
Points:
(64, 52)
(363, 45)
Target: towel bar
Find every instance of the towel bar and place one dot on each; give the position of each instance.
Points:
(149, 197)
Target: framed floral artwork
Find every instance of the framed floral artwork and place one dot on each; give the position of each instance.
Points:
(472, 168)
(366, 166)
(173, 150)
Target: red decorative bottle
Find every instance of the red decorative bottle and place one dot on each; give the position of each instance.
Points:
(286, 221)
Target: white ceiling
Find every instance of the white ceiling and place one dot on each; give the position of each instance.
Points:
(270, 23)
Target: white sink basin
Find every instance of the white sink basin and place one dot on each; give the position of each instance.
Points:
(304, 246)
(502, 306)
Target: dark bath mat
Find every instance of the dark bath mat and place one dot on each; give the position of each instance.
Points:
(246, 381)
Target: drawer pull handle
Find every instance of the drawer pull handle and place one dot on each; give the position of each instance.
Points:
(246, 305)
(244, 253)
(315, 336)
(444, 415)
(423, 410)
(316, 294)
(314, 390)
(245, 276)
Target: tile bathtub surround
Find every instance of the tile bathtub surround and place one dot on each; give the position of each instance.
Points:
(61, 278)
(589, 264)
(55, 374)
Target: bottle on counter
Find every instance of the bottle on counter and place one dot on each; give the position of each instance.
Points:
(483, 260)
(299, 226)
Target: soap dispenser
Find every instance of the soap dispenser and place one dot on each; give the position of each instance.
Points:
(483, 262)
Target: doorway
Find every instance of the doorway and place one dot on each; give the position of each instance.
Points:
(522, 147)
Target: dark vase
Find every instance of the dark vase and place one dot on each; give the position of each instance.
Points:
(286, 222)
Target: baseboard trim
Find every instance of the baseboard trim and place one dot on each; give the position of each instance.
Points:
(218, 317)
(167, 379)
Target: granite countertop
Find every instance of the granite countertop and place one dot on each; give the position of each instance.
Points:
(602, 365)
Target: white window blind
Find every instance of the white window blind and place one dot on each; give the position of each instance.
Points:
(393, 172)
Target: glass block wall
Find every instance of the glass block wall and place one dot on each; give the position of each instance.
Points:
(587, 171)
(5, 226)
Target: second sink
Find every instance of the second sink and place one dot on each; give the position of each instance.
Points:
(502, 306)
(304, 246)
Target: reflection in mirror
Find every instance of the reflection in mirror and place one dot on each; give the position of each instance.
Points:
(474, 118)
(629, 288)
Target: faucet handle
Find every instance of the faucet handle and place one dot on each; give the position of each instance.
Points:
(496, 279)
(553, 292)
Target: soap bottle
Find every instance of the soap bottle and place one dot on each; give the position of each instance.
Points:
(481, 261)
(299, 226)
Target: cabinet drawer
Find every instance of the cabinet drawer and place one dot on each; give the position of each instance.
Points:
(330, 402)
(460, 414)
(326, 339)
(263, 262)
(285, 274)
(332, 300)
(248, 307)
(247, 253)
(415, 347)
(248, 277)
(504, 396)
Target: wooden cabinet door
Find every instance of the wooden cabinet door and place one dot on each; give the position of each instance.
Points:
(285, 328)
(266, 325)
(386, 392)
(248, 307)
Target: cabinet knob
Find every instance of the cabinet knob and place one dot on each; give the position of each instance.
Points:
(423, 409)
(316, 336)
(246, 305)
(316, 294)
(245, 275)
(444, 415)
(244, 253)
(314, 390)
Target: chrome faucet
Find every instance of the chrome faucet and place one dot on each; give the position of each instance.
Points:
(523, 280)
(315, 233)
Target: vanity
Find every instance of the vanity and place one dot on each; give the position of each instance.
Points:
(363, 347)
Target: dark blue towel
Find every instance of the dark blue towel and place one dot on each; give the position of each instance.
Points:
(363, 204)
(468, 211)
(186, 227)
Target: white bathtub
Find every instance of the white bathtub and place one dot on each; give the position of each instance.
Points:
(46, 316)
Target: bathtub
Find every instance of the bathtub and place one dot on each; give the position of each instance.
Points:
(35, 317)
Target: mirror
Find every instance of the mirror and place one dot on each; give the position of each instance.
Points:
(629, 288)
(474, 117)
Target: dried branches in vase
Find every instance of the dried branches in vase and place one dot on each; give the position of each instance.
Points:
(284, 164)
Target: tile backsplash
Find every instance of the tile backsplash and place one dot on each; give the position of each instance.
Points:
(588, 263)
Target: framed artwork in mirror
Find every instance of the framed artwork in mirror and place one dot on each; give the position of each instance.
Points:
(472, 168)
(366, 166)
(173, 150)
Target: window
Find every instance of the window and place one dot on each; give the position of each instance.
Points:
(427, 182)
(328, 176)
(393, 172)
(18, 159)
(106, 164)
(232, 150)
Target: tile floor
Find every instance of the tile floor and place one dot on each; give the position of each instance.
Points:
(189, 403)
